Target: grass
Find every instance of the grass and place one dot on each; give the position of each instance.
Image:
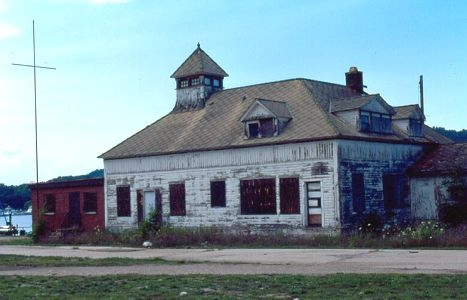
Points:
(339, 286)
(57, 261)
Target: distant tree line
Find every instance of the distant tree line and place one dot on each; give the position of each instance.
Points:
(456, 136)
(19, 196)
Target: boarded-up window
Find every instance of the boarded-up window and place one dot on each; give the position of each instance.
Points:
(290, 195)
(258, 196)
(393, 191)
(358, 193)
(123, 201)
(90, 202)
(49, 204)
(177, 199)
(267, 127)
(218, 193)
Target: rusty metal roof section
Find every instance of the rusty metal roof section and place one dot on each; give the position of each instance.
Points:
(199, 63)
(442, 160)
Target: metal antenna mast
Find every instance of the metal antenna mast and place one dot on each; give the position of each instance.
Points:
(34, 66)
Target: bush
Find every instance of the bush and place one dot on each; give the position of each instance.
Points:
(453, 214)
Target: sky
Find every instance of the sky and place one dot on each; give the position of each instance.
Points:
(114, 58)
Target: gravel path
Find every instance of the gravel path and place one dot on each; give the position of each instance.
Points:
(248, 261)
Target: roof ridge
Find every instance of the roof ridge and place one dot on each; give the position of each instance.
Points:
(329, 121)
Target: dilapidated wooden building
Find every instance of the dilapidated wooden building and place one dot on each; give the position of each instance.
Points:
(437, 179)
(73, 205)
(293, 154)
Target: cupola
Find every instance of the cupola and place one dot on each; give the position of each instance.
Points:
(197, 78)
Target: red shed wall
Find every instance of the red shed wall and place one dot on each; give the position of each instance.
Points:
(58, 220)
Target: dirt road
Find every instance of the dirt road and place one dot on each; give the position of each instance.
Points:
(249, 261)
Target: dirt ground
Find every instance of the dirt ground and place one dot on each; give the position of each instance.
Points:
(247, 261)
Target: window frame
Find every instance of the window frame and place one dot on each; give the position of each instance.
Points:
(258, 196)
(374, 122)
(218, 193)
(289, 199)
(358, 193)
(177, 199)
(50, 204)
(90, 203)
(123, 201)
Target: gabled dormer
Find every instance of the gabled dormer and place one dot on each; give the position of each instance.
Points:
(410, 119)
(265, 118)
(197, 78)
(368, 113)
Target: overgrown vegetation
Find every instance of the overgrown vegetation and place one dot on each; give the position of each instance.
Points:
(339, 286)
(422, 234)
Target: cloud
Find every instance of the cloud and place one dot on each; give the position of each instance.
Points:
(109, 1)
(7, 30)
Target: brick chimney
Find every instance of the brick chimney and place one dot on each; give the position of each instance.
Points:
(354, 80)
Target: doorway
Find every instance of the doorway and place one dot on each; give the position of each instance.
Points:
(313, 196)
(74, 210)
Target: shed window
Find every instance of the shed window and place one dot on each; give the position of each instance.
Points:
(289, 195)
(218, 193)
(358, 193)
(258, 196)
(90, 202)
(123, 201)
(49, 204)
(177, 199)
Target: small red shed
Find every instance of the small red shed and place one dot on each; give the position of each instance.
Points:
(69, 205)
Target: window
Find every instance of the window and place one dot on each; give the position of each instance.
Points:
(289, 195)
(261, 128)
(90, 202)
(218, 193)
(195, 81)
(123, 201)
(207, 81)
(253, 130)
(358, 193)
(177, 199)
(258, 196)
(415, 128)
(49, 204)
(375, 122)
(216, 83)
(392, 191)
(184, 83)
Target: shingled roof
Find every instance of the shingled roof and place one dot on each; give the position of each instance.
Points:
(199, 63)
(218, 125)
(442, 160)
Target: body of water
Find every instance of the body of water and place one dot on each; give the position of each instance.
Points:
(20, 221)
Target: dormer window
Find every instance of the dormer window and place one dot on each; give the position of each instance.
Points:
(415, 128)
(265, 118)
(375, 122)
(261, 128)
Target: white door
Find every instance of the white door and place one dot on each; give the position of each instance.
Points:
(313, 195)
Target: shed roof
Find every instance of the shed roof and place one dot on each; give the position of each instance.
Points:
(442, 160)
